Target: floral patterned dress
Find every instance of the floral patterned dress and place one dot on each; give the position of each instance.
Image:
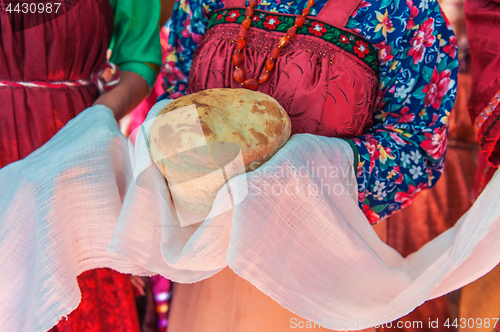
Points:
(400, 152)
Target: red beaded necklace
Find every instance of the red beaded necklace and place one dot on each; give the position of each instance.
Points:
(238, 58)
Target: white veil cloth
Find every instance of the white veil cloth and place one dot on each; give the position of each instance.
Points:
(89, 199)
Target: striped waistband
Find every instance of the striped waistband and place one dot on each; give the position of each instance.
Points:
(45, 84)
(105, 78)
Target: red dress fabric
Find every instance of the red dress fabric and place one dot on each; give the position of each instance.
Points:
(67, 48)
(482, 17)
(333, 97)
(108, 304)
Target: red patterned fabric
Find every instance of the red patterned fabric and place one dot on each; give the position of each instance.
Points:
(485, 172)
(107, 304)
(67, 48)
(487, 127)
(482, 31)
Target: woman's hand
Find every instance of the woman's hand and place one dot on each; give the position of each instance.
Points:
(124, 97)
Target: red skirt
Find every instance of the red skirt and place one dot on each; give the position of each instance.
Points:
(107, 304)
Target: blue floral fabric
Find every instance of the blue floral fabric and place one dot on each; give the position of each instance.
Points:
(403, 152)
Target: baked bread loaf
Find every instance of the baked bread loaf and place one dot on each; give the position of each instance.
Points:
(202, 140)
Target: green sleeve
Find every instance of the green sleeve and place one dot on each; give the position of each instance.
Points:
(135, 43)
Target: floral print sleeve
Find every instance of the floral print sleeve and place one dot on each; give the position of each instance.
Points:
(403, 152)
(185, 30)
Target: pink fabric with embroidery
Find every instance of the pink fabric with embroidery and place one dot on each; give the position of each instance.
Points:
(325, 90)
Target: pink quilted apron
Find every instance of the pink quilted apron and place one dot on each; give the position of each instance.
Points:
(326, 79)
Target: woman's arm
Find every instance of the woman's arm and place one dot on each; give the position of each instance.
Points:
(136, 50)
(403, 153)
(126, 95)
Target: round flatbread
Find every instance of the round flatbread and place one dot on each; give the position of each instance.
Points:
(196, 140)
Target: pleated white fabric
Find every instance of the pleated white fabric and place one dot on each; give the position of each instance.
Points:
(58, 210)
(299, 236)
(297, 233)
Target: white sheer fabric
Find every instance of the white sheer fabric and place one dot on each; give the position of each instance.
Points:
(297, 235)
(58, 210)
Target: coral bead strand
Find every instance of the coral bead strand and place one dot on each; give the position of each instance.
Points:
(238, 58)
